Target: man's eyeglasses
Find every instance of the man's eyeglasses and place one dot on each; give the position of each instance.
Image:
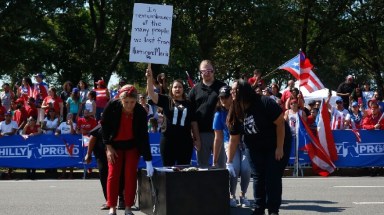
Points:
(206, 71)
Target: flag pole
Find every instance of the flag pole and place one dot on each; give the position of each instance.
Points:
(296, 163)
(271, 73)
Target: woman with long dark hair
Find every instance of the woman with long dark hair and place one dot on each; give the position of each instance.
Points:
(268, 142)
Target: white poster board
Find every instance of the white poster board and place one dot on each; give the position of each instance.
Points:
(151, 33)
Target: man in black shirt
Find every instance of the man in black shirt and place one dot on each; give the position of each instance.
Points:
(204, 95)
(345, 89)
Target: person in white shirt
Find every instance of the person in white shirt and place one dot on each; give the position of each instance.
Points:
(67, 127)
(338, 115)
(8, 127)
(50, 122)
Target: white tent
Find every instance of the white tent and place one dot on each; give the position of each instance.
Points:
(319, 95)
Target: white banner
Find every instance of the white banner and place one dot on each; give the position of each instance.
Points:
(151, 33)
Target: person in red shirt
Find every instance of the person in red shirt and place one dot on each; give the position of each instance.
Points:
(31, 108)
(256, 80)
(53, 101)
(102, 97)
(287, 92)
(20, 115)
(125, 134)
(86, 123)
(2, 112)
(373, 120)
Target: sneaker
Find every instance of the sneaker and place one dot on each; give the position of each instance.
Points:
(232, 203)
(244, 202)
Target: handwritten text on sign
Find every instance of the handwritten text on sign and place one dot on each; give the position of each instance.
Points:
(151, 33)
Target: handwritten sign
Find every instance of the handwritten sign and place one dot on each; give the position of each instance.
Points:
(151, 33)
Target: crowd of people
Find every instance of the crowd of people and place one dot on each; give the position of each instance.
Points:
(248, 127)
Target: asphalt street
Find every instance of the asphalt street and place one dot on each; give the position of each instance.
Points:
(307, 195)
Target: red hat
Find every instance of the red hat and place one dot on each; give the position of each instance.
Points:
(130, 89)
(19, 100)
(100, 82)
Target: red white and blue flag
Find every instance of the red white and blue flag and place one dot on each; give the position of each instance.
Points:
(322, 164)
(324, 132)
(301, 68)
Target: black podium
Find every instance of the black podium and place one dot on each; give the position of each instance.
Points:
(204, 192)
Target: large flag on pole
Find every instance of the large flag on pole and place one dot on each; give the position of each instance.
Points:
(324, 132)
(301, 68)
(321, 162)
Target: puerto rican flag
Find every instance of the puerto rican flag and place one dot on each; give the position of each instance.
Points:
(301, 68)
(322, 164)
(324, 132)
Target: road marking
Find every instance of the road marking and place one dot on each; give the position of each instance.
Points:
(368, 203)
(358, 186)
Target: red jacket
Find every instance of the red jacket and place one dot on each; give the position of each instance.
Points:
(369, 122)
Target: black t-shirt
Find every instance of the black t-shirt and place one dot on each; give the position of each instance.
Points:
(258, 128)
(178, 116)
(99, 149)
(205, 99)
(346, 88)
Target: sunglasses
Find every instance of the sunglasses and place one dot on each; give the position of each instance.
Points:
(206, 71)
(293, 103)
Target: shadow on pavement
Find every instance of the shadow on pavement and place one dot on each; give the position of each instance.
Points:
(311, 205)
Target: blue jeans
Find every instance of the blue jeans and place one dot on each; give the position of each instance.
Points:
(240, 163)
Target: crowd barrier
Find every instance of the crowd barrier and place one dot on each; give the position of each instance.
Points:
(50, 151)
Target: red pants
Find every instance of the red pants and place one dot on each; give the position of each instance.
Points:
(131, 160)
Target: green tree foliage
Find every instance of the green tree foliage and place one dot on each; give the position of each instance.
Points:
(77, 39)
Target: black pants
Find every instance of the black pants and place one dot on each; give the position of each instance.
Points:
(102, 165)
(267, 174)
(175, 150)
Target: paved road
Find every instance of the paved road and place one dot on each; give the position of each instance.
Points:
(309, 195)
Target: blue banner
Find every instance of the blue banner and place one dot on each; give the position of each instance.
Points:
(41, 151)
(50, 151)
(367, 153)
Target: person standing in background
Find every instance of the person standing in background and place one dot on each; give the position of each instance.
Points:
(102, 98)
(204, 95)
(25, 91)
(345, 90)
(40, 92)
(64, 95)
(83, 91)
(240, 161)
(6, 96)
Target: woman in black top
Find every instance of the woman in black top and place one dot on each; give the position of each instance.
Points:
(268, 141)
(176, 144)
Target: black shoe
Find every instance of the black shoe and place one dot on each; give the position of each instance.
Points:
(121, 206)
(258, 211)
